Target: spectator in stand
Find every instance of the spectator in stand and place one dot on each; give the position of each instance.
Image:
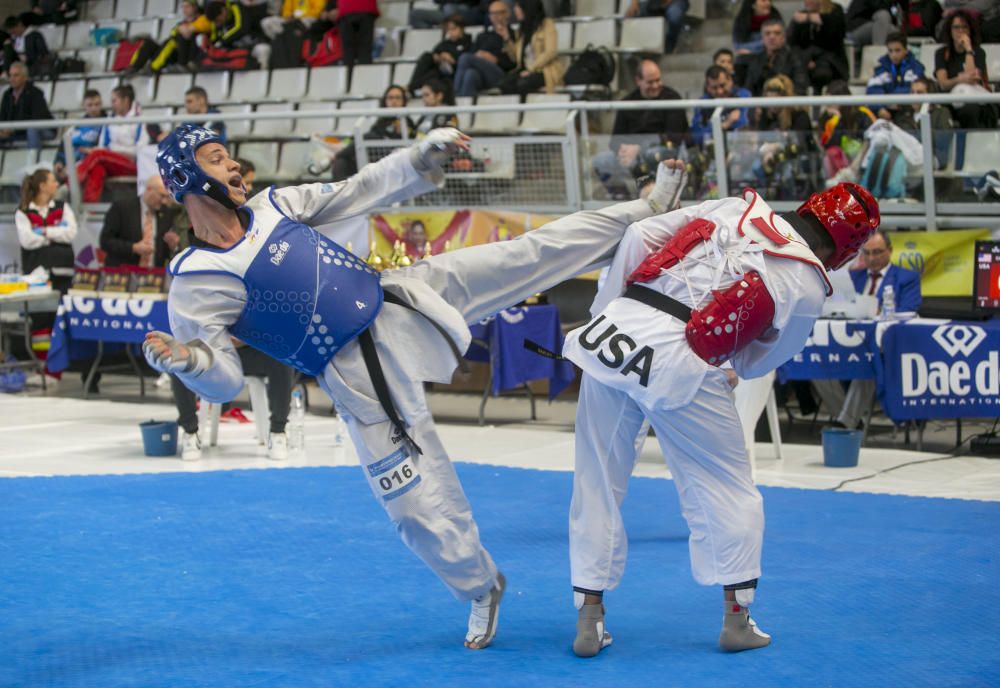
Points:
(641, 139)
(535, 52)
(229, 30)
(440, 63)
(26, 45)
(85, 137)
(817, 32)
(960, 67)
(747, 25)
(196, 103)
(171, 224)
(786, 139)
(472, 12)
(45, 229)
(181, 48)
(673, 11)
(894, 75)
(23, 101)
(870, 280)
(303, 12)
(133, 225)
(117, 146)
(345, 163)
(249, 173)
(356, 21)
(842, 136)
(725, 58)
(489, 60)
(435, 93)
(869, 22)
(55, 11)
(777, 58)
(718, 84)
(941, 122)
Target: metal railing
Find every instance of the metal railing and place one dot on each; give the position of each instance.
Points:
(552, 171)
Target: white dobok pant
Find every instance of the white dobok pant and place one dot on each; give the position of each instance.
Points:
(703, 446)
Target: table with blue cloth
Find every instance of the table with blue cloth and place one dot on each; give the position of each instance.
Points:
(924, 368)
(87, 327)
(500, 341)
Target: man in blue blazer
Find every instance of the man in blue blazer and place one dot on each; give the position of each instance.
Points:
(872, 280)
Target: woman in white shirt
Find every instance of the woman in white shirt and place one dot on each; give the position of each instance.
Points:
(45, 229)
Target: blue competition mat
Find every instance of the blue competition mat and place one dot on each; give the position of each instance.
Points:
(296, 578)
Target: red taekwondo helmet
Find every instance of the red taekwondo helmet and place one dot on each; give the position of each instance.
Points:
(850, 215)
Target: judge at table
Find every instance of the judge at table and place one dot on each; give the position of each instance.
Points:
(871, 280)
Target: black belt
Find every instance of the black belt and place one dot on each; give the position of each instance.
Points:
(374, 367)
(660, 302)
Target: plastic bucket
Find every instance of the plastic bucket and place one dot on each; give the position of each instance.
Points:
(159, 438)
(841, 447)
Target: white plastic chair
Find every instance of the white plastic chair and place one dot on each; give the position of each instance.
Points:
(264, 156)
(271, 128)
(419, 41)
(144, 27)
(216, 84)
(77, 36)
(545, 120)
(316, 125)
(497, 121)
(595, 8)
(208, 413)
(250, 86)
(99, 9)
(131, 9)
(327, 83)
(237, 128)
(370, 80)
(643, 34)
(288, 85)
(170, 88)
(598, 32)
(67, 94)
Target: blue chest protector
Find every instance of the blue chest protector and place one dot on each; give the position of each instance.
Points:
(307, 296)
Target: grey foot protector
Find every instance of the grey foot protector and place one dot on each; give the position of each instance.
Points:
(591, 636)
(739, 632)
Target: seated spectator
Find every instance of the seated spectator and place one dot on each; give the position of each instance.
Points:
(117, 147)
(26, 45)
(303, 12)
(535, 52)
(894, 74)
(641, 138)
(673, 11)
(472, 13)
(842, 136)
(440, 63)
(725, 58)
(229, 31)
(817, 33)
(345, 163)
(55, 11)
(941, 122)
(960, 67)
(23, 101)
(181, 48)
(356, 22)
(279, 381)
(489, 60)
(83, 137)
(777, 58)
(249, 173)
(871, 280)
(747, 25)
(133, 226)
(45, 229)
(718, 84)
(869, 22)
(435, 93)
(196, 103)
(785, 146)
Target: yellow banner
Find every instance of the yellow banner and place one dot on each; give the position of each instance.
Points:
(945, 260)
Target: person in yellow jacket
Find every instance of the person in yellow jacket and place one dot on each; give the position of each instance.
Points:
(535, 50)
(181, 47)
(304, 11)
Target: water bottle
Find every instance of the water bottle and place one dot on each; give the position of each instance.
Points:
(297, 422)
(888, 303)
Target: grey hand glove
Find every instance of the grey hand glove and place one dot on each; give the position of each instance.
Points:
(167, 355)
(666, 194)
(434, 150)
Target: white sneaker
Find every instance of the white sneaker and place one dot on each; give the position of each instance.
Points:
(277, 446)
(484, 615)
(190, 447)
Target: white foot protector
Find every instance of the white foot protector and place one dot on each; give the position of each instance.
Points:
(190, 447)
(484, 616)
(277, 446)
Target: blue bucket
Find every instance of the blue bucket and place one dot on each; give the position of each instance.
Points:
(159, 438)
(841, 447)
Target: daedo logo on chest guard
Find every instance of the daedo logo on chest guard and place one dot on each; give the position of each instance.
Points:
(941, 378)
(278, 251)
(616, 350)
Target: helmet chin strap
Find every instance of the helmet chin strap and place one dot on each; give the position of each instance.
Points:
(216, 193)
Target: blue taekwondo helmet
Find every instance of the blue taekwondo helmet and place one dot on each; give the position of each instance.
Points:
(180, 171)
